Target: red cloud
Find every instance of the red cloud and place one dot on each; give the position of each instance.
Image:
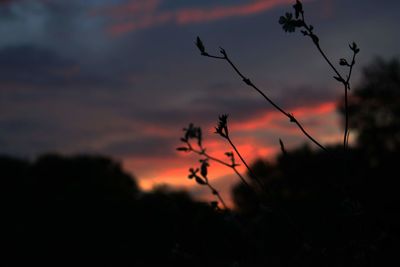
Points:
(267, 119)
(128, 9)
(174, 170)
(145, 14)
(185, 16)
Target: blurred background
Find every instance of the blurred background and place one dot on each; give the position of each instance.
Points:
(123, 77)
(93, 99)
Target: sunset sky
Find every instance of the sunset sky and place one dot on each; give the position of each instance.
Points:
(123, 77)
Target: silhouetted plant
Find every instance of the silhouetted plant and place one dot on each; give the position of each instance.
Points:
(223, 131)
(193, 132)
(248, 82)
(204, 181)
(290, 22)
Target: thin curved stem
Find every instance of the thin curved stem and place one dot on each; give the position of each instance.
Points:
(241, 177)
(345, 82)
(252, 174)
(216, 193)
(251, 84)
(280, 211)
(346, 104)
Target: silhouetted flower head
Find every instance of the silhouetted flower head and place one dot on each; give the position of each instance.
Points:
(222, 127)
(286, 22)
(204, 167)
(198, 179)
(289, 24)
(354, 48)
(192, 132)
(192, 173)
(231, 156)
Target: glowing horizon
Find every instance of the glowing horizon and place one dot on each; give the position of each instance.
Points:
(173, 171)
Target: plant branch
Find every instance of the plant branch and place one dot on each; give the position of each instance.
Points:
(217, 194)
(339, 77)
(232, 166)
(248, 82)
(346, 104)
(252, 174)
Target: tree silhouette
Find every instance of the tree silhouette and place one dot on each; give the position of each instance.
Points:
(62, 210)
(375, 109)
(353, 219)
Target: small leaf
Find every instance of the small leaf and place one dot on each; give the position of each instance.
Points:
(223, 52)
(200, 181)
(200, 45)
(222, 127)
(339, 79)
(343, 62)
(192, 173)
(228, 154)
(182, 149)
(203, 168)
(354, 48)
(292, 118)
(282, 147)
(247, 81)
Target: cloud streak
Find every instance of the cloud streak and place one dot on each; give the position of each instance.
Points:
(135, 15)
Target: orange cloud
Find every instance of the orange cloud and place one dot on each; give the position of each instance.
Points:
(173, 170)
(267, 119)
(138, 15)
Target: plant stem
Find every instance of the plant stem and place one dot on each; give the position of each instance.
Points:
(345, 82)
(215, 192)
(347, 87)
(247, 166)
(251, 84)
(203, 153)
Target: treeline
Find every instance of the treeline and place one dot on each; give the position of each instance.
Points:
(86, 210)
(322, 208)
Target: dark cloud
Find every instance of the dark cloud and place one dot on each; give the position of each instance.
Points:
(6, 2)
(32, 65)
(194, 3)
(67, 85)
(146, 147)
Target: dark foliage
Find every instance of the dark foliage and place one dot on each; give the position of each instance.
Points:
(348, 215)
(86, 210)
(316, 211)
(375, 107)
